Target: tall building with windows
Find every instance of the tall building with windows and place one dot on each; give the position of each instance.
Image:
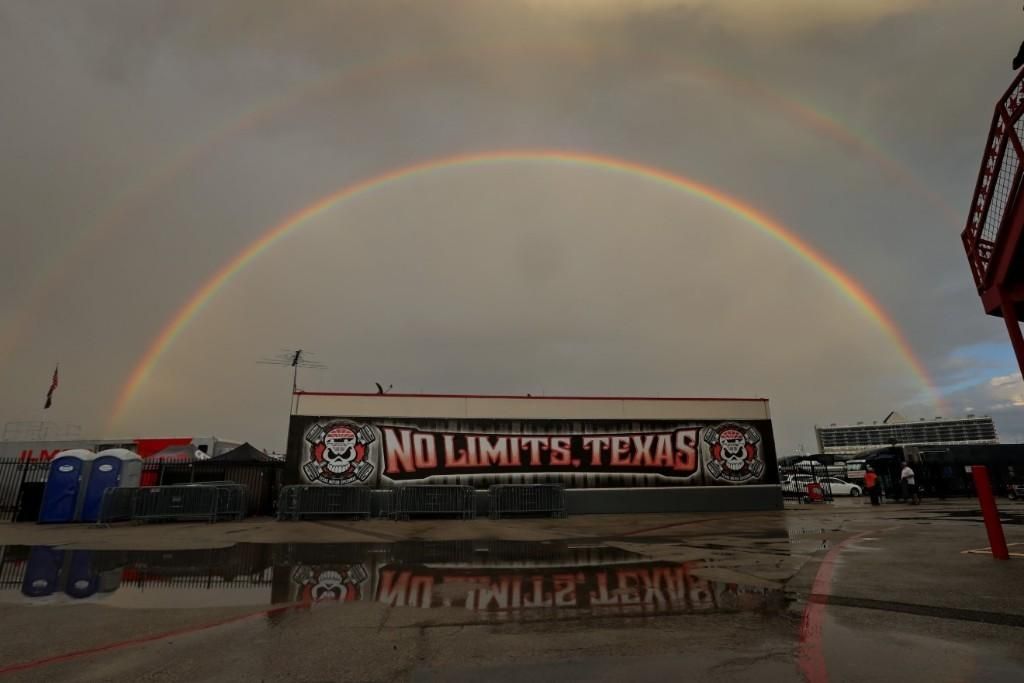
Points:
(847, 440)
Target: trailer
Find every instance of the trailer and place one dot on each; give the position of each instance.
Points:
(197, 447)
(613, 454)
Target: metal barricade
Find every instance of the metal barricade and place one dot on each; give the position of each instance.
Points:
(458, 501)
(175, 503)
(117, 505)
(288, 502)
(382, 503)
(298, 501)
(211, 501)
(230, 501)
(527, 499)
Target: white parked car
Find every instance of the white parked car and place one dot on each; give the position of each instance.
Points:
(843, 488)
(797, 484)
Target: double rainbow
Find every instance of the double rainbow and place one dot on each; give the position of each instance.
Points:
(49, 281)
(842, 281)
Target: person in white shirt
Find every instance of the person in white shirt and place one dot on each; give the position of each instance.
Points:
(909, 484)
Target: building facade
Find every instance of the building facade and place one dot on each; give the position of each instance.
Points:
(895, 430)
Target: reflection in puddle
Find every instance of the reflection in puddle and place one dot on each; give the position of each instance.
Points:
(500, 579)
(1011, 516)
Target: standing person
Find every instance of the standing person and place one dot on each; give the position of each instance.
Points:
(909, 484)
(871, 484)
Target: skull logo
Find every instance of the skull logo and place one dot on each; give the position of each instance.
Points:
(329, 586)
(733, 451)
(338, 453)
(341, 449)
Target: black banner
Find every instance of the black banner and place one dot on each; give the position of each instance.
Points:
(339, 451)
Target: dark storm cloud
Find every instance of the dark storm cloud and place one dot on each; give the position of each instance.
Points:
(102, 96)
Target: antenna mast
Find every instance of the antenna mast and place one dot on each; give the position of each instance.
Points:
(295, 359)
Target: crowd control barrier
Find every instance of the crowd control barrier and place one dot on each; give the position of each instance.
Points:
(297, 502)
(527, 499)
(231, 499)
(288, 500)
(382, 503)
(447, 501)
(209, 501)
(117, 505)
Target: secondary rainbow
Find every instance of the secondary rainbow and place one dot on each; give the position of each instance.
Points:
(849, 287)
(49, 281)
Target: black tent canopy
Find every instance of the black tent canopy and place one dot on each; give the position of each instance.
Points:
(244, 453)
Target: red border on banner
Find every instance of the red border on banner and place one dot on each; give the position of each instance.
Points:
(529, 398)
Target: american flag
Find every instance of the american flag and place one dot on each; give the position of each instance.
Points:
(53, 387)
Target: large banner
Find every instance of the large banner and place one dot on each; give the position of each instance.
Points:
(338, 451)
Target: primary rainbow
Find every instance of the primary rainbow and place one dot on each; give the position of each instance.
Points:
(852, 289)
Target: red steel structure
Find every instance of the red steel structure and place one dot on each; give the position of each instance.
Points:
(995, 226)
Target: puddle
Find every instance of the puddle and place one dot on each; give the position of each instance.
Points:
(1012, 516)
(500, 579)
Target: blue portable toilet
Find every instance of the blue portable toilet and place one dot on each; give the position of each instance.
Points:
(81, 581)
(112, 468)
(64, 485)
(42, 574)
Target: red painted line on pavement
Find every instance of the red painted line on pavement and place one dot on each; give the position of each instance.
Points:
(811, 656)
(68, 656)
(666, 526)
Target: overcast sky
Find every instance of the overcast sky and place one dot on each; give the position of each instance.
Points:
(145, 144)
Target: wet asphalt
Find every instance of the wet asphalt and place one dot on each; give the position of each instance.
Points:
(813, 593)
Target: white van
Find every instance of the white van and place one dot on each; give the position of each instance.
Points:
(837, 470)
(855, 470)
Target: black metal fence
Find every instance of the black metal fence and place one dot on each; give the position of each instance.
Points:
(808, 483)
(257, 492)
(297, 502)
(22, 484)
(21, 490)
(439, 501)
(508, 500)
(192, 567)
(239, 567)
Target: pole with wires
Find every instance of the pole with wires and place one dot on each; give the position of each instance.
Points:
(295, 359)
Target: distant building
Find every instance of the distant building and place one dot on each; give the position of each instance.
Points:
(847, 440)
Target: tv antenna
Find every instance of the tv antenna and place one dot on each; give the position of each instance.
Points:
(295, 359)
